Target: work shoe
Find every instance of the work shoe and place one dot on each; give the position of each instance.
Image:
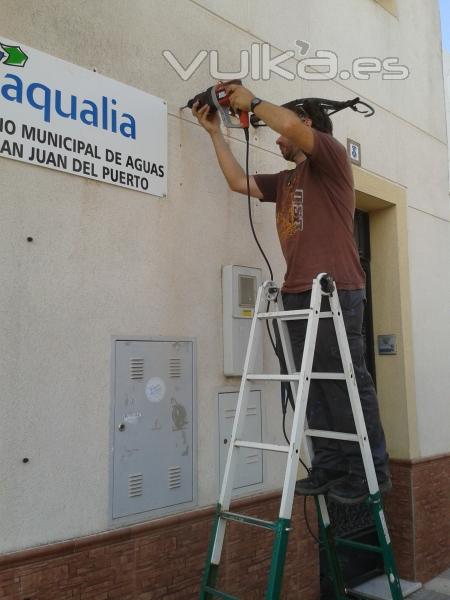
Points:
(318, 482)
(354, 489)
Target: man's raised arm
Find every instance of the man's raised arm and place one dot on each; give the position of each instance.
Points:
(280, 119)
(232, 170)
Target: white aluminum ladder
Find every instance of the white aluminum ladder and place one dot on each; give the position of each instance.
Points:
(301, 434)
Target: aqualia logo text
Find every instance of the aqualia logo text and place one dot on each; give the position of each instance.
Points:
(54, 104)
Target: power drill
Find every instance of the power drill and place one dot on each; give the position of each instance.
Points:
(217, 98)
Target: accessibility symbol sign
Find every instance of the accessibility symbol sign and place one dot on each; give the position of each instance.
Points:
(13, 56)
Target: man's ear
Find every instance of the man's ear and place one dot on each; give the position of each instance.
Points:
(308, 122)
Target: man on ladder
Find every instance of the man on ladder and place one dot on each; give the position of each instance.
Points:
(315, 204)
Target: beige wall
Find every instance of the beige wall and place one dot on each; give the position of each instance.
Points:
(446, 72)
(109, 261)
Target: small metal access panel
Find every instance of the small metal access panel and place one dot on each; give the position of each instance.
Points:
(154, 426)
(250, 466)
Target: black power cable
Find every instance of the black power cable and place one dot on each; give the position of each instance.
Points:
(247, 142)
(286, 394)
(247, 173)
(330, 107)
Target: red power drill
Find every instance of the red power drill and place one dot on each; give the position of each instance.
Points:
(217, 98)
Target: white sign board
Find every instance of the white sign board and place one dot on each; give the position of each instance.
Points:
(61, 116)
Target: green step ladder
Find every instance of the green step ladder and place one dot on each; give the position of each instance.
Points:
(323, 285)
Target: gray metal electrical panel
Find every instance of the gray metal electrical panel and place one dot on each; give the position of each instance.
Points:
(249, 471)
(154, 426)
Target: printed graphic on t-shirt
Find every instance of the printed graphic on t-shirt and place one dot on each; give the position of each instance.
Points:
(290, 217)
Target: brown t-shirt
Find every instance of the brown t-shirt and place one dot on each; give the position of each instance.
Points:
(315, 210)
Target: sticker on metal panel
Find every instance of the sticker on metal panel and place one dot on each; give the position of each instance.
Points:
(155, 390)
(132, 418)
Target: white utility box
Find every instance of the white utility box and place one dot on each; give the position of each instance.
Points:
(240, 286)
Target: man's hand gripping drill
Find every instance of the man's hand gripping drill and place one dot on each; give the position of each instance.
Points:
(225, 98)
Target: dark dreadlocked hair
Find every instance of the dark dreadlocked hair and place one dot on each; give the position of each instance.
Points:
(311, 108)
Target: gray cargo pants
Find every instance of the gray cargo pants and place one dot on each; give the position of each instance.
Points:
(328, 403)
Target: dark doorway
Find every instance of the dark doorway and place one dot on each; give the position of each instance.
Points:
(361, 232)
(355, 521)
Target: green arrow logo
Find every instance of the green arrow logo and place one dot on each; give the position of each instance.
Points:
(16, 57)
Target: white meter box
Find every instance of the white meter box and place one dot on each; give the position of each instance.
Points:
(239, 286)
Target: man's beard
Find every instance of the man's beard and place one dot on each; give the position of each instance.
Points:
(288, 154)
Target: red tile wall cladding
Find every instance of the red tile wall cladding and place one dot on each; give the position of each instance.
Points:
(418, 510)
(165, 559)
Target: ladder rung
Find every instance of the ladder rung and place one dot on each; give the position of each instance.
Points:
(219, 594)
(260, 446)
(230, 516)
(332, 435)
(358, 545)
(293, 376)
(327, 375)
(286, 315)
(293, 315)
(266, 377)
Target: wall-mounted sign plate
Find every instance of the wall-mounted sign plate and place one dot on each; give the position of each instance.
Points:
(61, 116)
(354, 152)
(387, 344)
